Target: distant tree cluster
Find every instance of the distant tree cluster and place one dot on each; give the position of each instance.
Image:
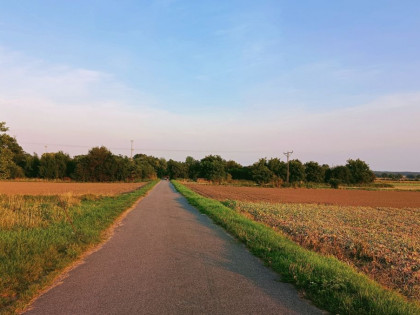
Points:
(398, 176)
(100, 165)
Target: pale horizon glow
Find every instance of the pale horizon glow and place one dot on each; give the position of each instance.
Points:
(239, 82)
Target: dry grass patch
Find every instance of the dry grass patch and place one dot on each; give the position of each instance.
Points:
(51, 188)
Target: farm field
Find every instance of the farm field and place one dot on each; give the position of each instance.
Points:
(378, 232)
(384, 243)
(344, 197)
(401, 185)
(42, 234)
(52, 188)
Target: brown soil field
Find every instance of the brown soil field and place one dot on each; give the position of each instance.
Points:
(344, 197)
(49, 188)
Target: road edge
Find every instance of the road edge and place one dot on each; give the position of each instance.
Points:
(105, 237)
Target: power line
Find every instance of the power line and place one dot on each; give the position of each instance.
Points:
(132, 149)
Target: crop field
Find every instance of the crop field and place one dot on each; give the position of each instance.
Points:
(51, 188)
(42, 234)
(344, 197)
(401, 185)
(380, 241)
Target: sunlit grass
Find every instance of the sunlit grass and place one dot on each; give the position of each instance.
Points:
(40, 235)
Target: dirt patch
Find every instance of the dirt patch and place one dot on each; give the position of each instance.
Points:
(48, 188)
(394, 199)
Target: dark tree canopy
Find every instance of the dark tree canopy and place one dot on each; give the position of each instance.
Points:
(54, 165)
(278, 167)
(261, 174)
(177, 169)
(11, 155)
(297, 171)
(314, 172)
(340, 174)
(360, 172)
(212, 168)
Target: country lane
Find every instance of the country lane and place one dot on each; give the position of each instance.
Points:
(168, 258)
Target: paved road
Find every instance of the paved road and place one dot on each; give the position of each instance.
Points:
(167, 258)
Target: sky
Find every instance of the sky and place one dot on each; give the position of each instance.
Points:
(330, 80)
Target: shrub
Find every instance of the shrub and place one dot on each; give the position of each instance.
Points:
(335, 183)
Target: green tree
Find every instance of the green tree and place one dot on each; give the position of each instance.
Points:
(177, 169)
(146, 162)
(338, 173)
(297, 171)
(124, 168)
(10, 153)
(146, 166)
(213, 167)
(193, 167)
(314, 172)
(278, 167)
(54, 165)
(99, 165)
(30, 165)
(261, 174)
(360, 172)
(6, 163)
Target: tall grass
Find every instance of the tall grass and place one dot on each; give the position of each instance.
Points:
(329, 283)
(17, 211)
(41, 235)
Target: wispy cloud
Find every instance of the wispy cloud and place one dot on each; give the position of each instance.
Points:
(44, 103)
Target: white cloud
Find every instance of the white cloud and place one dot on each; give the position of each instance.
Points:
(50, 104)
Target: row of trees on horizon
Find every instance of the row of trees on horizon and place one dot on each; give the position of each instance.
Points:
(101, 165)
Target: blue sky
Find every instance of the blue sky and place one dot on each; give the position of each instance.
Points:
(329, 79)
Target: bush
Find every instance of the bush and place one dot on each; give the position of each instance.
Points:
(335, 183)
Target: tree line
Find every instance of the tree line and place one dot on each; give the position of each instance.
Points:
(100, 165)
(398, 176)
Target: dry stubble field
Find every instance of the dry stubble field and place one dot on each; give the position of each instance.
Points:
(51, 188)
(37, 204)
(378, 232)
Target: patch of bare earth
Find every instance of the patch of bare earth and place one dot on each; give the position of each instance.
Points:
(394, 199)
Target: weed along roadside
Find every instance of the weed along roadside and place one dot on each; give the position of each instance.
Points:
(37, 246)
(332, 285)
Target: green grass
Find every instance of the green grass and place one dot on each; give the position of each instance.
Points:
(330, 284)
(31, 257)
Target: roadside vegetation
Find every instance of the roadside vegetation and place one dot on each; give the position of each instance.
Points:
(41, 235)
(331, 284)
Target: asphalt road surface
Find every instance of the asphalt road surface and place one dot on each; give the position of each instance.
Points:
(167, 258)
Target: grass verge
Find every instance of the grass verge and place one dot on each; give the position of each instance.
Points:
(31, 258)
(330, 284)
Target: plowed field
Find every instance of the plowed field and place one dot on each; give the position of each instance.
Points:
(48, 188)
(394, 199)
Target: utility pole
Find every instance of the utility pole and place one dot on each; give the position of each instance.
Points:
(46, 147)
(287, 154)
(132, 149)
